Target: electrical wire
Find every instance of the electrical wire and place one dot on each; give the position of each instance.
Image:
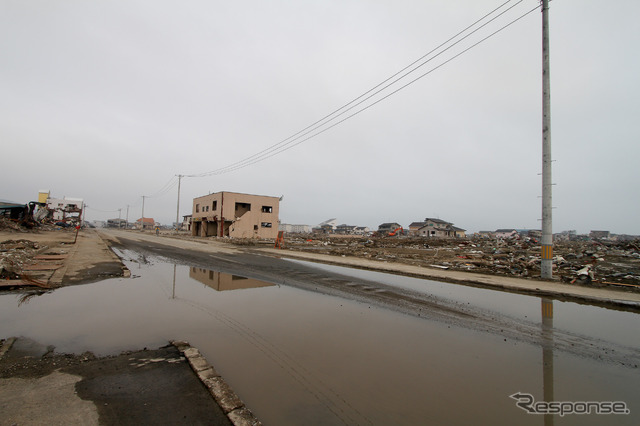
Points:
(165, 188)
(299, 137)
(326, 119)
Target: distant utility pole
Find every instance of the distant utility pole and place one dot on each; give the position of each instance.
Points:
(178, 208)
(142, 218)
(119, 216)
(127, 227)
(547, 233)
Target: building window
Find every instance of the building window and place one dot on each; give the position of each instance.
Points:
(266, 224)
(267, 209)
(255, 227)
(214, 206)
(243, 206)
(197, 208)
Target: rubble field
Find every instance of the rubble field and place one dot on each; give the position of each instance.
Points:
(596, 263)
(30, 257)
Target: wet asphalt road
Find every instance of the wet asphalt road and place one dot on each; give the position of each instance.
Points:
(244, 262)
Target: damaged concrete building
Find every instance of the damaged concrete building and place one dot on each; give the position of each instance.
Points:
(231, 214)
(68, 210)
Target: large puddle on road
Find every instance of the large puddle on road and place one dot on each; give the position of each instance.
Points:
(614, 326)
(304, 358)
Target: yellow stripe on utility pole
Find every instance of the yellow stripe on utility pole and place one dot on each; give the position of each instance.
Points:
(547, 308)
(547, 252)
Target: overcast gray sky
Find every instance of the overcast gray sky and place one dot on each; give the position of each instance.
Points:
(109, 100)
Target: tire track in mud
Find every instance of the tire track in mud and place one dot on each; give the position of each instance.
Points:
(323, 393)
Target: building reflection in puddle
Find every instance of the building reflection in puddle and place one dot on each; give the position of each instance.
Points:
(222, 281)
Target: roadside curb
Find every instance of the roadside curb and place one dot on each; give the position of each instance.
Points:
(126, 273)
(527, 287)
(226, 398)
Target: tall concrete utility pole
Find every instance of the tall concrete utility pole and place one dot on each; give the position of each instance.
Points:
(547, 232)
(178, 208)
(142, 218)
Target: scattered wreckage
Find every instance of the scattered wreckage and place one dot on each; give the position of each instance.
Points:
(25, 263)
(592, 262)
(64, 213)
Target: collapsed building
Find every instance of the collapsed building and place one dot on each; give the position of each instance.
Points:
(67, 210)
(231, 214)
(59, 211)
(12, 210)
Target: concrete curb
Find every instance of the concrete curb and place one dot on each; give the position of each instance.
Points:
(126, 273)
(226, 398)
(539, 288)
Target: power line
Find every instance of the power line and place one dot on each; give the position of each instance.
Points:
(296, 140)
(319, 123)
(165, 188)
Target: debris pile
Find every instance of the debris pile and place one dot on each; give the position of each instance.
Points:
(19, 265)
(583, 262)
(10, 225)
(14, 256)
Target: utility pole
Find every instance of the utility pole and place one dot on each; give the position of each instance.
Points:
(119, 216)
(142, 218)
(127, 227)
(546, 265)
(178, 208)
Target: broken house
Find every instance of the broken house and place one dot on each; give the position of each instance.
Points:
(345, 229)
(68, 210)
(326, 227)
(186, 222)
(436, 228)
(362, 230)
(230, 214)
(147, 223)
(12, 210)
(117, 223)
(389, 227)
